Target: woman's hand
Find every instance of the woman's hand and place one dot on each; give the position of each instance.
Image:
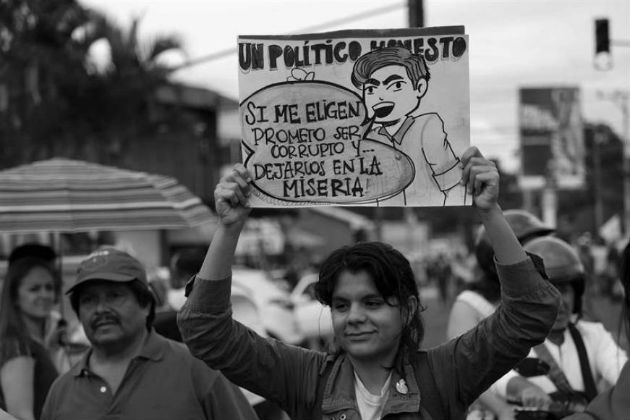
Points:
(481, 178)
(231, 196)
(59, 336)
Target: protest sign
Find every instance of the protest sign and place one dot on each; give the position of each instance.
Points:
(359, 117)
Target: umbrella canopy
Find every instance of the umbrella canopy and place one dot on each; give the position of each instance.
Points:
(63, 195)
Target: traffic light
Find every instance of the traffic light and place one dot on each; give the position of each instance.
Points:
(603, 58)
(602, 38)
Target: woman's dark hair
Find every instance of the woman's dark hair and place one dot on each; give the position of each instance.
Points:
(13, 333)
(34, 250)
(392, 276)
(142, 293)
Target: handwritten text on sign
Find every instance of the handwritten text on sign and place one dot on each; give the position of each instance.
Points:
(305, 142)
(356, 117)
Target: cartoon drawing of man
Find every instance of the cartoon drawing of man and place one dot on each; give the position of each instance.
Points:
(393, 82)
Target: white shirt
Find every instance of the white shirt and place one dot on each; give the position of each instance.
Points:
(483, 307)
(176, 298)
(478, 302)
(370, 406)
(605, 358)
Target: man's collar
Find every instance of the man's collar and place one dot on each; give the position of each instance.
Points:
(397, 137)
(81, 368)
(152, 349)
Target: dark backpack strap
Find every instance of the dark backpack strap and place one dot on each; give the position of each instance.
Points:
(430, 400)
(587, 374)
(555, 374)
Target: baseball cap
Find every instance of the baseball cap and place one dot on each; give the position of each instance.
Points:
(110, 264)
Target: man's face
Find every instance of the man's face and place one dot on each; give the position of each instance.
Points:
(110, 313)
(365, 325)
(390, 95)
(566, 308)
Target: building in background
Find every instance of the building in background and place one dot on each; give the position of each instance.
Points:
(552, 145)
(552, 139)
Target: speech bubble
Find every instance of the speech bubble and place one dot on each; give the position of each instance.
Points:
(304, 142)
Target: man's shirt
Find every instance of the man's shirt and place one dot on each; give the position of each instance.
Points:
(437, 174)
(605, 357)
(163, 382)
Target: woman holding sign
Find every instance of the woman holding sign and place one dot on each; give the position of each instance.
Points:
(378, 369)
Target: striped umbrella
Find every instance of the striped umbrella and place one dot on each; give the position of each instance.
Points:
(63, 195)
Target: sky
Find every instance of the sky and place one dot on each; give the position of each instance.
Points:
(513, 44)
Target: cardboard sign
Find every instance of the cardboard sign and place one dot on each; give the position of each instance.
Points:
(364, 117)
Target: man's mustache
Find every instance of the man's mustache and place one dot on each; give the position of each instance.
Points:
(104, 319)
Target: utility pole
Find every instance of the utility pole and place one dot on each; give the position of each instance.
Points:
(549, 198)
(621, 100)
(415, 9)
(416, 13)
(603, 61)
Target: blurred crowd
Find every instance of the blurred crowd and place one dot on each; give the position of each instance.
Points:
(451, 272)
(40, 344)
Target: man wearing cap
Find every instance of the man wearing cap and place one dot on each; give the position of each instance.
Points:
(131, 372)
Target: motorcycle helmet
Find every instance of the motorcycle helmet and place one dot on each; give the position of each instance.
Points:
(525, 225)
(562, 264)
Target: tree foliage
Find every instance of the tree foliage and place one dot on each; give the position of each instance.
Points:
(40, 61)
(54, 100)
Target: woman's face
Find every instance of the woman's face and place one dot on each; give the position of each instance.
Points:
(365, 325)
(36, 293)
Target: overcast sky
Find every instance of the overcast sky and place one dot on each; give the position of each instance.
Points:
(513, 43)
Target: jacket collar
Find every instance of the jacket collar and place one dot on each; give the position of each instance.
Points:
(152, 349)
(339, 391)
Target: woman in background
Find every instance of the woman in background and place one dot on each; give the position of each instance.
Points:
(29, 293)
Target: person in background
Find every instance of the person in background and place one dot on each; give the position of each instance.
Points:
(6, 416)
(579, 353)
(131, 372)
(378, 370)
(483, 296)
(614, 403)
(56, 327)
(443, 275)
(30, 290)
(184, 265)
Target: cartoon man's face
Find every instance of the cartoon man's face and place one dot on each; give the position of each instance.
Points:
(390, 95)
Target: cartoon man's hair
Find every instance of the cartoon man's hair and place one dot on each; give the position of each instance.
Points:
(368, 63)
